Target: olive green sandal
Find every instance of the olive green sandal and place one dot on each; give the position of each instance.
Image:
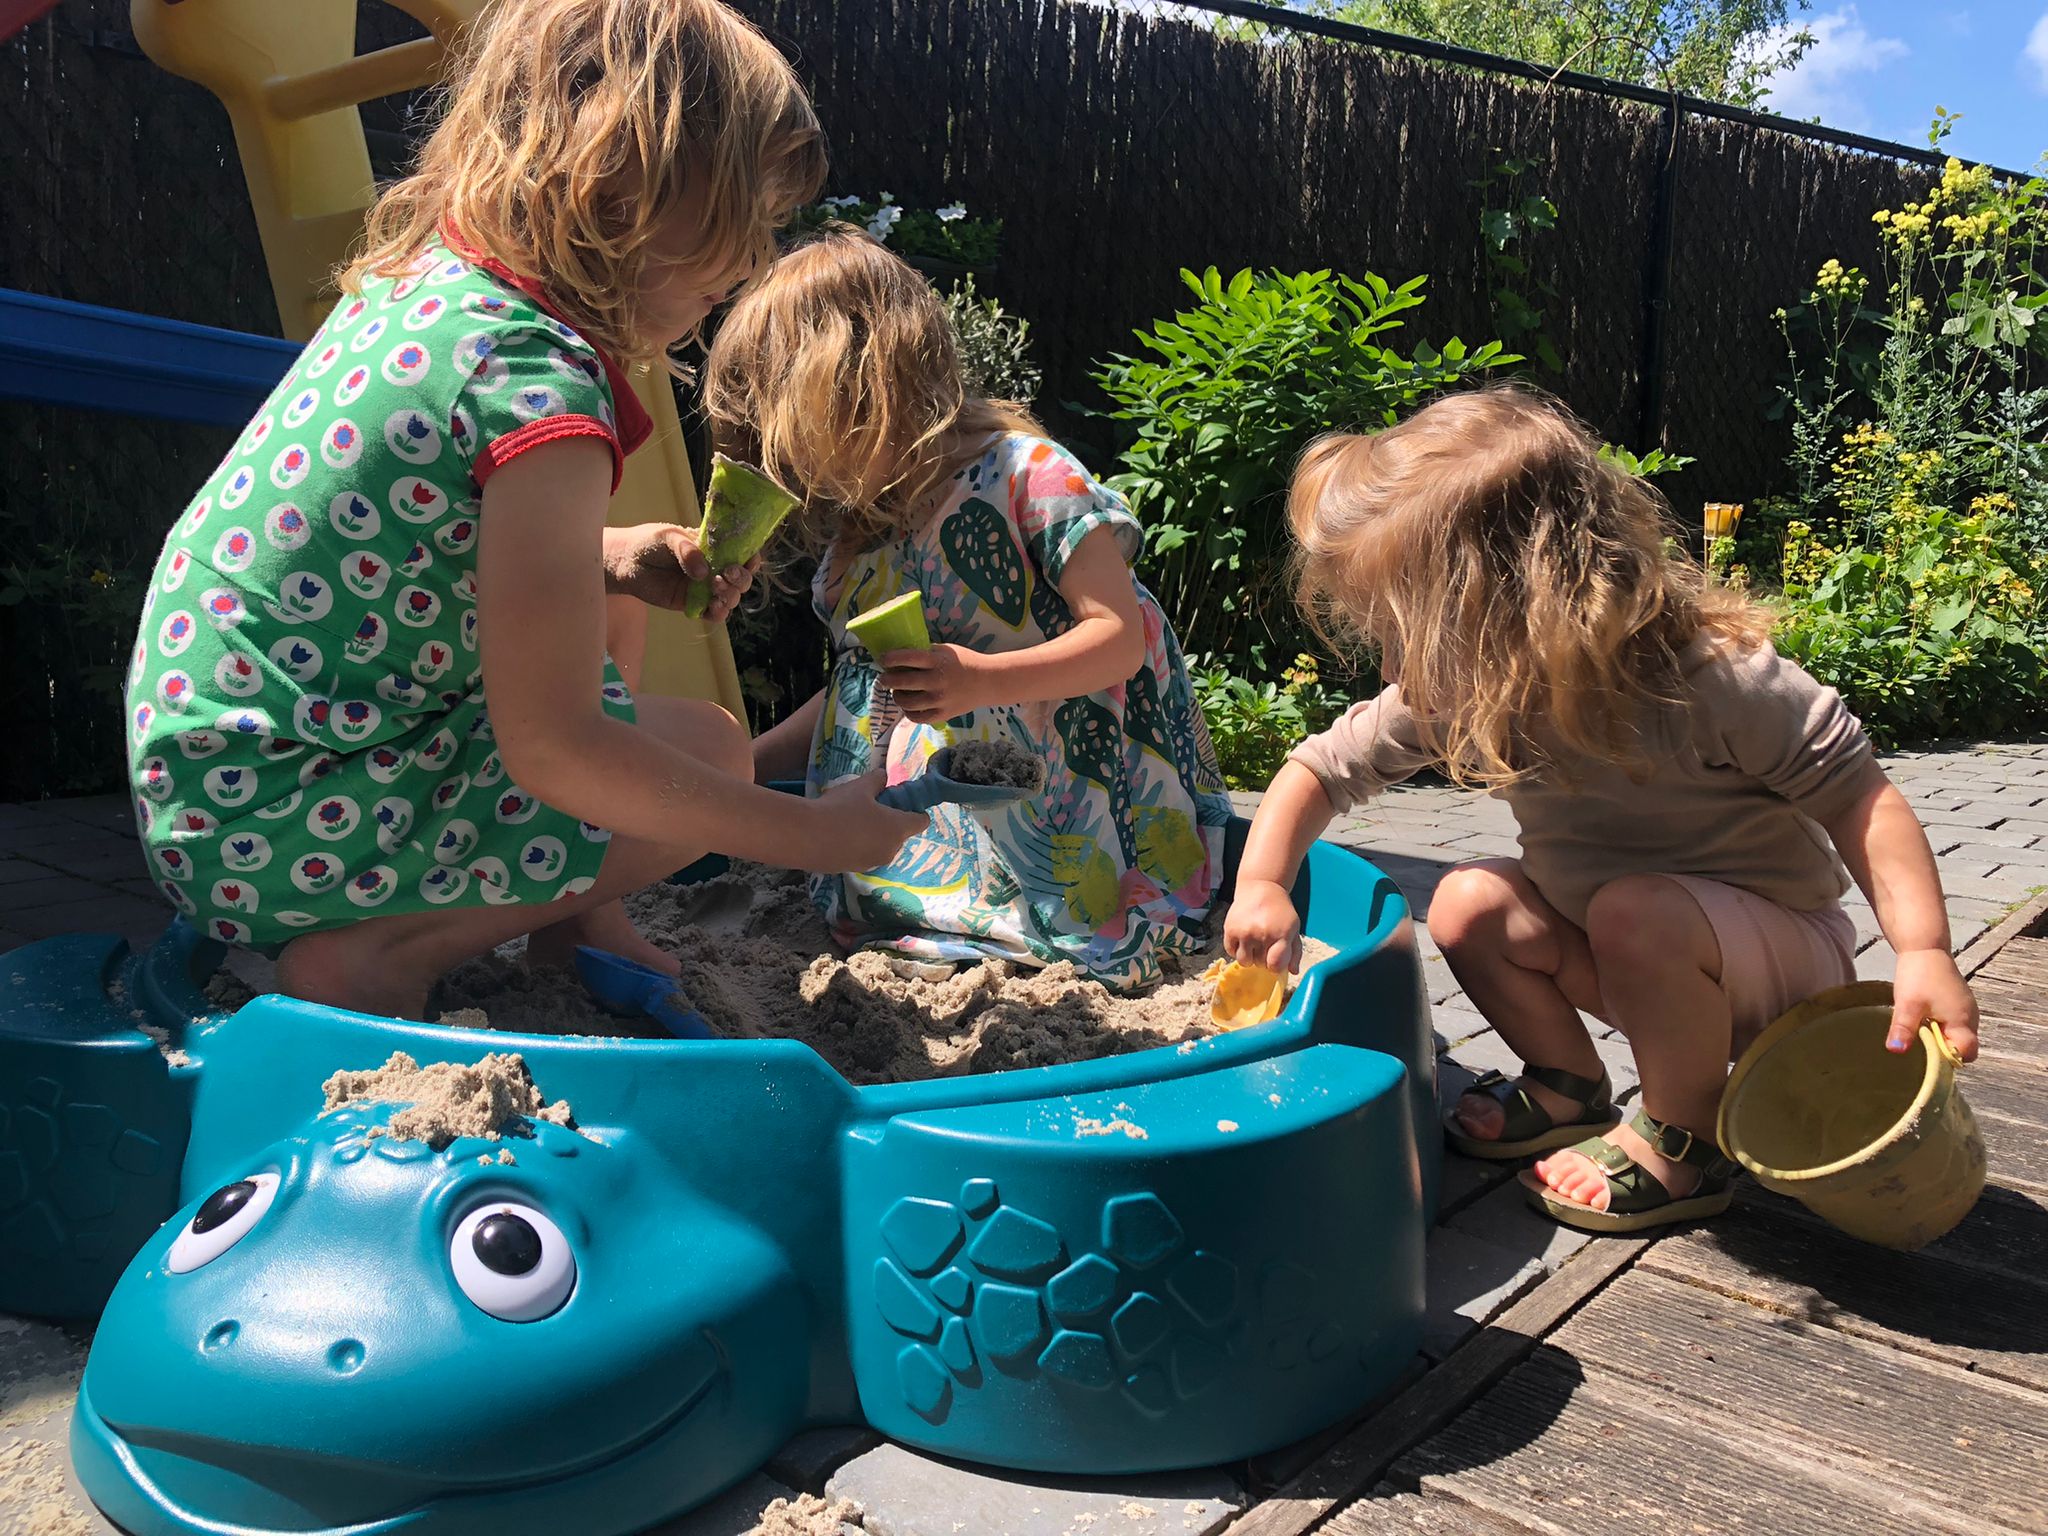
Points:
(1528, 1128)
(1636, 1199)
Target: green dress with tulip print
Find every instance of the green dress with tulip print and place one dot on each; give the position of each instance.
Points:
(1115, 864)
(308, 735)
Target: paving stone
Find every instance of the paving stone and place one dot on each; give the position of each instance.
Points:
(45, 828)
(105, 859)
(904, 1493)
(13, 871)
(1488, 845)
(1982, 907)
(2004, 836)
(1504, 1218)
(1876, 963)
(1276, 1469)
(130, 916)
(813, 1456)
(1469, 1280)
(47, 890)
(9, 939)
(1963, 932)
(1485, 1052)
(733, 1513)
(1999, 855)
(1465, 1179)
(113, 812)
(1967, 815)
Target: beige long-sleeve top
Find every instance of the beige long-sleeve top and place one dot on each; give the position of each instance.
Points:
(1740, 777)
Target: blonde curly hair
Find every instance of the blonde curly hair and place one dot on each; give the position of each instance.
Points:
(839, 374)
(571, 129)
(1528, 596)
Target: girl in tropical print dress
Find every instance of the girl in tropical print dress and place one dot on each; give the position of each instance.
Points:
(840, 375)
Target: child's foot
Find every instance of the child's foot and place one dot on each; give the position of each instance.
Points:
(1575, 1177)
(1483, 1117)
(606, 927)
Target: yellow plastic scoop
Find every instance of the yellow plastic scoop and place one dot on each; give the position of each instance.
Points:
(898, 625)
(1245, 994)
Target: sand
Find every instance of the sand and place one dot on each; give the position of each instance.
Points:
(491, 1098)
(996, 762)
(809, 1515)
(759, 963)
(39, 1371)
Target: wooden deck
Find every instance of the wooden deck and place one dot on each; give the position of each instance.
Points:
(1763, 1374)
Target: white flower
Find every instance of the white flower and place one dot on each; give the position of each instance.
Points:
(951, 212)
(885, 220)
(841, 202)
(886, 197)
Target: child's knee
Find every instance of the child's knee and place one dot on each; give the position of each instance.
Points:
(1473, 901)
(1640, 921)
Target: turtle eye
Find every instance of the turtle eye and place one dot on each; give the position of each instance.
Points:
(222, 1220)
(512, 1261)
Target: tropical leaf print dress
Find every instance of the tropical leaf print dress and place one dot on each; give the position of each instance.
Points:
(1118, 861)
(308, 736)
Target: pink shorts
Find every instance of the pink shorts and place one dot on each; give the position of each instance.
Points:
(1772, 956)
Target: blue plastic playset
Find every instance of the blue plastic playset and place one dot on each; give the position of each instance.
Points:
(1166, 1259)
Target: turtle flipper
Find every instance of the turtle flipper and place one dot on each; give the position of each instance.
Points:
(93, 1121)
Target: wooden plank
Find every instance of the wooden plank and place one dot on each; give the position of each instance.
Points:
(1596, 1456)
(1768, 1258)
(1998, 1089)
(2007, 1233)
(1388, 1509)
(2017, 1158)
(2017, 923)
(1923, 1428)
(1359, 1460)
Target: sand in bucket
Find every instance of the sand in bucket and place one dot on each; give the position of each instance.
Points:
(1880, 1144)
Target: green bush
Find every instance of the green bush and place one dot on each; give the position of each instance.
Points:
(1255, 725)
(948, 234)
(995, 346)
(1230, 394)
(1913, 548)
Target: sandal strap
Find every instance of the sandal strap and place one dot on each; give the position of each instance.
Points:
(1593, 1092)
(1682, 1146)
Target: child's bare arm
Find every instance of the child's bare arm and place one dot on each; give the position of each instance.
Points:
(1887, 852)
(541, 588)
(1263, 928)
(783, 750)
(1105, 646)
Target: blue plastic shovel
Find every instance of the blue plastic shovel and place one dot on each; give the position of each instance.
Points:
(936, 786)
(627, 986)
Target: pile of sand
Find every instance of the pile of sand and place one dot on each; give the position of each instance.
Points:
(39, 1371)
(758, 963)
(809, 1515)
(996, 762)
(491, 1098)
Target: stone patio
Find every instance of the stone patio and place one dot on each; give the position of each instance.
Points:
(70, 865)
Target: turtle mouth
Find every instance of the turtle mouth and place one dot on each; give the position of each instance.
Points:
(143, 1486)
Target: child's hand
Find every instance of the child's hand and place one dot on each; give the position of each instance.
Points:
(656, 562)
(1263, 928)
(938, 684)
(1927, 986)
(858, 832)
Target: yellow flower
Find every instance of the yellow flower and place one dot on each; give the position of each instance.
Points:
(102, 578)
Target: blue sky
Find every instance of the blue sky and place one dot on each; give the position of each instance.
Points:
(1882, 66)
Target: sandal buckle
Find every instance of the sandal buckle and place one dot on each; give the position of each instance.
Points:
(1682, 1153)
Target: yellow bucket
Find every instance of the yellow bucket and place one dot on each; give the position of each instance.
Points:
(1880, 1144)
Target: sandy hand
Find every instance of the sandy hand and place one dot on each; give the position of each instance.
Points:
(856, 831)
(1263, 928)
(656, 562)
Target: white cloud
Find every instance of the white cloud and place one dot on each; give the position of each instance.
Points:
(1824, 82)
(2036, 53)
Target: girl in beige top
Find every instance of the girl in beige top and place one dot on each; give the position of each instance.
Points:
(1687, 798)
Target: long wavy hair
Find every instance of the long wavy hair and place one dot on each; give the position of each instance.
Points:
(570, 132)
(1529, 597)
(839, 374)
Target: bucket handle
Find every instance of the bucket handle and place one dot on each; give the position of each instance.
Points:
(1942, 1042)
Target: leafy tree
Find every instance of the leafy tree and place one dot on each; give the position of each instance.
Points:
(1723, 49)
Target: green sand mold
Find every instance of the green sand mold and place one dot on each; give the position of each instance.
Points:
(898, 625)
(741, 514)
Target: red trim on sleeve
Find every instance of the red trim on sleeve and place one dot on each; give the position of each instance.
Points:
(494, 455)
(635, 425)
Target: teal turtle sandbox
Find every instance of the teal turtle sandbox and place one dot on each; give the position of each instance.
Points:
(307, 1328)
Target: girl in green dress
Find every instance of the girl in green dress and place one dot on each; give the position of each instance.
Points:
(373, 725)
(839, 373)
